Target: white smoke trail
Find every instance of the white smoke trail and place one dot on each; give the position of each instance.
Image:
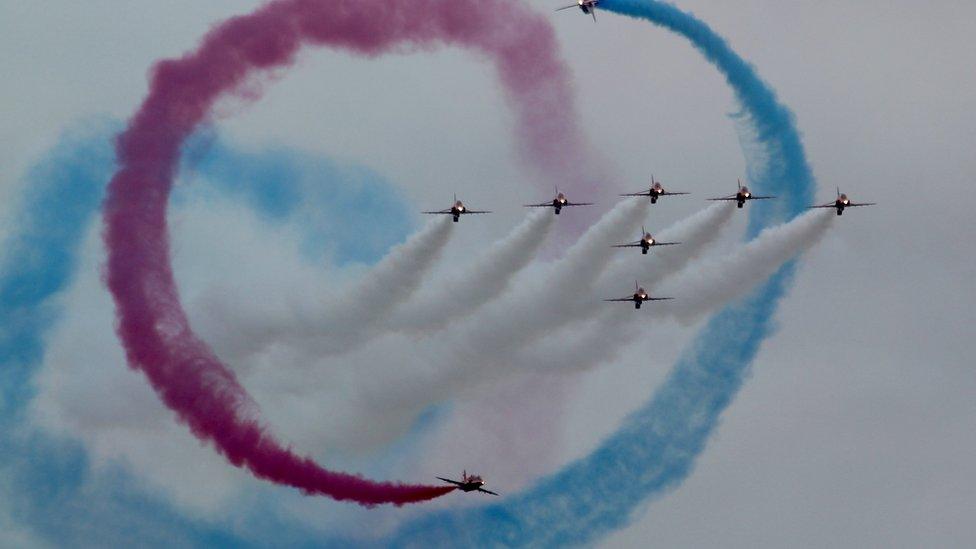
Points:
(538, 307)
(481, 282)
(318, 319)
(696, 234)
(387, 383)
(356, 316)
(479, 348)
(702, 287)
(710, 283)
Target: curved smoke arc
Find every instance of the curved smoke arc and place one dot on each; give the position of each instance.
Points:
(152, 325)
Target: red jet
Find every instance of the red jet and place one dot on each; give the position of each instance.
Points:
(742, 195)
(639, 297)
(645, 242)
(843, 202)
(467, 483)
(457, 210)
(656, 191)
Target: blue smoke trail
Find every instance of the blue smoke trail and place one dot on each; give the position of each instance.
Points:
(39, 259)
(656, 447)
(48, 480)
(46, 476)
(346, 210)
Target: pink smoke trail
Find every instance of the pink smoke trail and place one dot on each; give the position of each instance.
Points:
(152, 325)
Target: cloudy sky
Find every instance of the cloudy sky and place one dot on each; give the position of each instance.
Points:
(855, 428)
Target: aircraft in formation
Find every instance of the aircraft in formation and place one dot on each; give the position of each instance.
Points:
(639, 297)
(472, 483)
(457, 210)
(585, 6)
(843, 202)
(654, 192)
(645, 242)
(742, 195)
(558, 203)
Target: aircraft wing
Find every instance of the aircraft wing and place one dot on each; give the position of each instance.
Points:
(754, 197)
(540, 205)
(658, 298)
(568, 7)
(669, 193)
(732, 197)
(665, 243)
(853, 204)
(645, 193)
(447, 211)
(577, 204)
(476, 212)
(487, 491)
(621, 299)
(827, 205)
(450, 481)
(630, 245)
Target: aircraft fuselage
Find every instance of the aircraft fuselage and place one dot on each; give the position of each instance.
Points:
(646, 244)
(557, 205)
(456, 211)
(741, 197)
(470, 486)
(841, 203)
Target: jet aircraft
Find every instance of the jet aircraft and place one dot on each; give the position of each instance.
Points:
(472, 483)
(639, 297)
(645, 242)
(656, 191)
(457, 210)
(558, 203)
(742, 195)
(843, 202)
(586, 6)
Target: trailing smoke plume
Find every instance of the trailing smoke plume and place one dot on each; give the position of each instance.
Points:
(708, 284)
(479, 283)
(702, 287)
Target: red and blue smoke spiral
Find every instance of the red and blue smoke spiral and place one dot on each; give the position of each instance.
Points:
(656, 447)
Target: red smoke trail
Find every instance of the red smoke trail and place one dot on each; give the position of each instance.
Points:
(152, 325)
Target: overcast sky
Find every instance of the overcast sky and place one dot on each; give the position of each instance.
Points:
(857, 426)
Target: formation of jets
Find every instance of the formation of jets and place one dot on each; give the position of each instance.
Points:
(474, 483)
